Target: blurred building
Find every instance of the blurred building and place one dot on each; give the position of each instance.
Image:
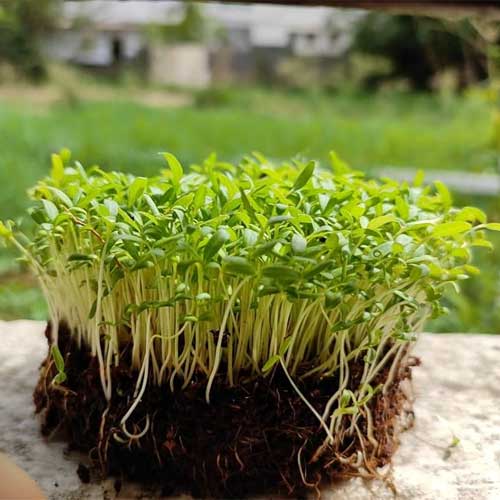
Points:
(107, 34)
(244, 42)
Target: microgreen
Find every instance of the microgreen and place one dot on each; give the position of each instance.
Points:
(237, 270)
(59, 362)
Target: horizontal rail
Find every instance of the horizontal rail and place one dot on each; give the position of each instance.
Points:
(487, 10)
(461, 182)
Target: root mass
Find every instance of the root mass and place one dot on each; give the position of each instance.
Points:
(257, 437)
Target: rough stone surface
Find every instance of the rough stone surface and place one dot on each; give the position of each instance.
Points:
(457, 391)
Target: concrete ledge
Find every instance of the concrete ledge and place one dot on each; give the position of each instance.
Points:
(457, 390)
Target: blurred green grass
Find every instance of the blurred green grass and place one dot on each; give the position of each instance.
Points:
(397, 129)
(408, 130)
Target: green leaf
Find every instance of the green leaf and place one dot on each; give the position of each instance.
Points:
(126, 217)
(65, 155)
(59, 378)
(299, 243)
(317, 269)
(215, 243)
(238, 265)
(444, 193)
(152, 205)
(199, 198)
(112, 207)
(93, 309)
(479, 242)
(473, 270)
(339, 166)
(419, 178)
(81, 257)
(380, 221)
(57, 172)
(270, 363)
(402, 207)
(203, 296)
(403, 295)
(332, 299)
(50, 209)
(175, 168)
(280, 273)
(63, 197)
(264, 248)
(285, 346)
(471, 214)
(136, 189)
(58, 358)
(332, 242)
(493, 226)
(304, 176)
(276, 219)
(450, 229)
(341, 325)
(250, 236)
(246, 204)
(5, 231)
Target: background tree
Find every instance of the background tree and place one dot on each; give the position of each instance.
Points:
(419, 48)
(192, 28)
(22, 22)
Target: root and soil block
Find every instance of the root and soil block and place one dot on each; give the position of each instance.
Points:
(236, 330)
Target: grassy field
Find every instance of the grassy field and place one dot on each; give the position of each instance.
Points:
(427, 132)
(368, 131)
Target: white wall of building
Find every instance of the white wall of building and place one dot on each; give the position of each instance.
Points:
(183, 65)
(93, 48)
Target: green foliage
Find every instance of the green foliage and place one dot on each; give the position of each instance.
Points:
(230, 246)
(192, 28)
(227, 270)
(391, 129)
(418, 48)
(21, 24)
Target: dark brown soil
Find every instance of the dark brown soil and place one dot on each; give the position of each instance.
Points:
(244, 443)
